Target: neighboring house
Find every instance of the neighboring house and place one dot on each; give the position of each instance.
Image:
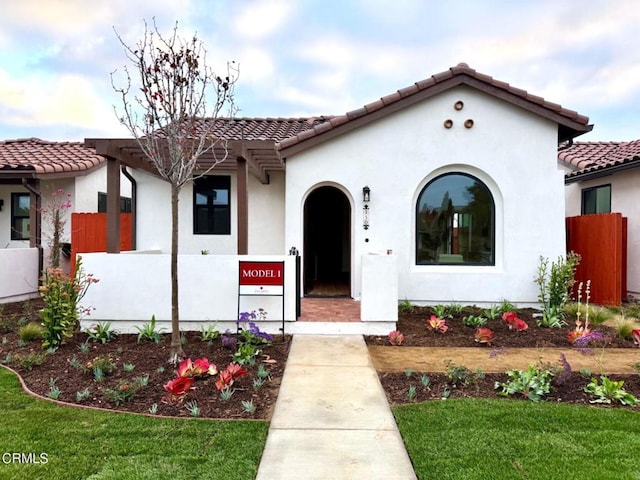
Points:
(604, 177)
(445, 191)
(32, 172)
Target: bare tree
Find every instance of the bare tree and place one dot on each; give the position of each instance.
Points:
(172, 117)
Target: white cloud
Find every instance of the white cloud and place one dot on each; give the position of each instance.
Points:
(261, 18)
(67, 99)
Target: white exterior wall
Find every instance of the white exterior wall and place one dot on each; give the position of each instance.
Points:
(266, 217)
(512, 151)
(625, 196)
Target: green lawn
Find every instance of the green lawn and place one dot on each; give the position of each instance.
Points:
(84, 444)
(505, 439)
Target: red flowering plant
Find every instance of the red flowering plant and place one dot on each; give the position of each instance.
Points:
(198, 368)
(636, 336)
(228, 376)
(179, 386)
(437, 324)
(396, 338)
(484, 335)
(514, 322)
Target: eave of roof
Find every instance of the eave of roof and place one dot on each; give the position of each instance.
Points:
(570, 123)
(35, 158)
(598, 159)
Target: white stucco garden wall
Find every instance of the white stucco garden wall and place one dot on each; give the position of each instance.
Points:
(208, 291)
(512, 151)
(18, 274)
(624, 200)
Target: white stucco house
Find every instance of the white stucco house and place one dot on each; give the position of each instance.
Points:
(604, 177)
(32, 174)
(448, 190)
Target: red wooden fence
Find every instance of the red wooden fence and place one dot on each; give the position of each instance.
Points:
(601, 241)
(89, 233)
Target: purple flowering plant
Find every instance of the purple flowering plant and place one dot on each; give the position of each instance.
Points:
(250, 332)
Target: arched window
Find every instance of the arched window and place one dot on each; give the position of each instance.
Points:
(455, 222)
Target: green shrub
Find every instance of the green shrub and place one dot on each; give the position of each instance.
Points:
(555, 284)
(29, 360)
(102, 333)
(149, 332)
(610, 391)
(62, 295)
(624, 327)
(533, 383)
(30, 332)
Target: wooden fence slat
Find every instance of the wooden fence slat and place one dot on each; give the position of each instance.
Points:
(89, 233)
(600, 240)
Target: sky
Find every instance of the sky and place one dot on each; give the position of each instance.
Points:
(301, 58)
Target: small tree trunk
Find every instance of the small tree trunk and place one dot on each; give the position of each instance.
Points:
(177, 354)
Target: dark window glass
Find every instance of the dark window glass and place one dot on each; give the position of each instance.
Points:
(20, 224)
(596, 200)
(125, 203)
(455, 222)
(211, 205)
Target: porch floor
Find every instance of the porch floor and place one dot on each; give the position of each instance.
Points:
(329, 309)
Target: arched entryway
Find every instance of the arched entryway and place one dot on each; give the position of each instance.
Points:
(327, 243)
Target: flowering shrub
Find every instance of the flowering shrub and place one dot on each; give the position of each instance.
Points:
(514, 322)
(53, 214)
(396, 338)
(484, 335)
(437, 324)
(62, 295)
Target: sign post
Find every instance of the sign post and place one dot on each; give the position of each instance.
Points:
(261, 279)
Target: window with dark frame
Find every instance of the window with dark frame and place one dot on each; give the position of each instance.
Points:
(20, 223)
(211, 205)
(596, 200)
(125, 203)
(455, 222)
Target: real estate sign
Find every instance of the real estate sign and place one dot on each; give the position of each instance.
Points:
(261, 278)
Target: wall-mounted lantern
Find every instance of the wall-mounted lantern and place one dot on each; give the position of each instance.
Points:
(366, 194)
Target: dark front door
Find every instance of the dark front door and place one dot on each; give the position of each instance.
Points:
(327, 243)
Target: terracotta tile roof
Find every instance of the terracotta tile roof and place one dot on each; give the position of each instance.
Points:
(43, 157)
(276, 129)
(570, 122)
(590, 158)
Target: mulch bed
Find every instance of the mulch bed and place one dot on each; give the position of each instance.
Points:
(569, 389)
(149, 359)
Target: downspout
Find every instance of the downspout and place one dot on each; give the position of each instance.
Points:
(37, 241)
(134, 195)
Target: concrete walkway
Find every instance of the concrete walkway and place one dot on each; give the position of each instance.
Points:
(331, 419)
